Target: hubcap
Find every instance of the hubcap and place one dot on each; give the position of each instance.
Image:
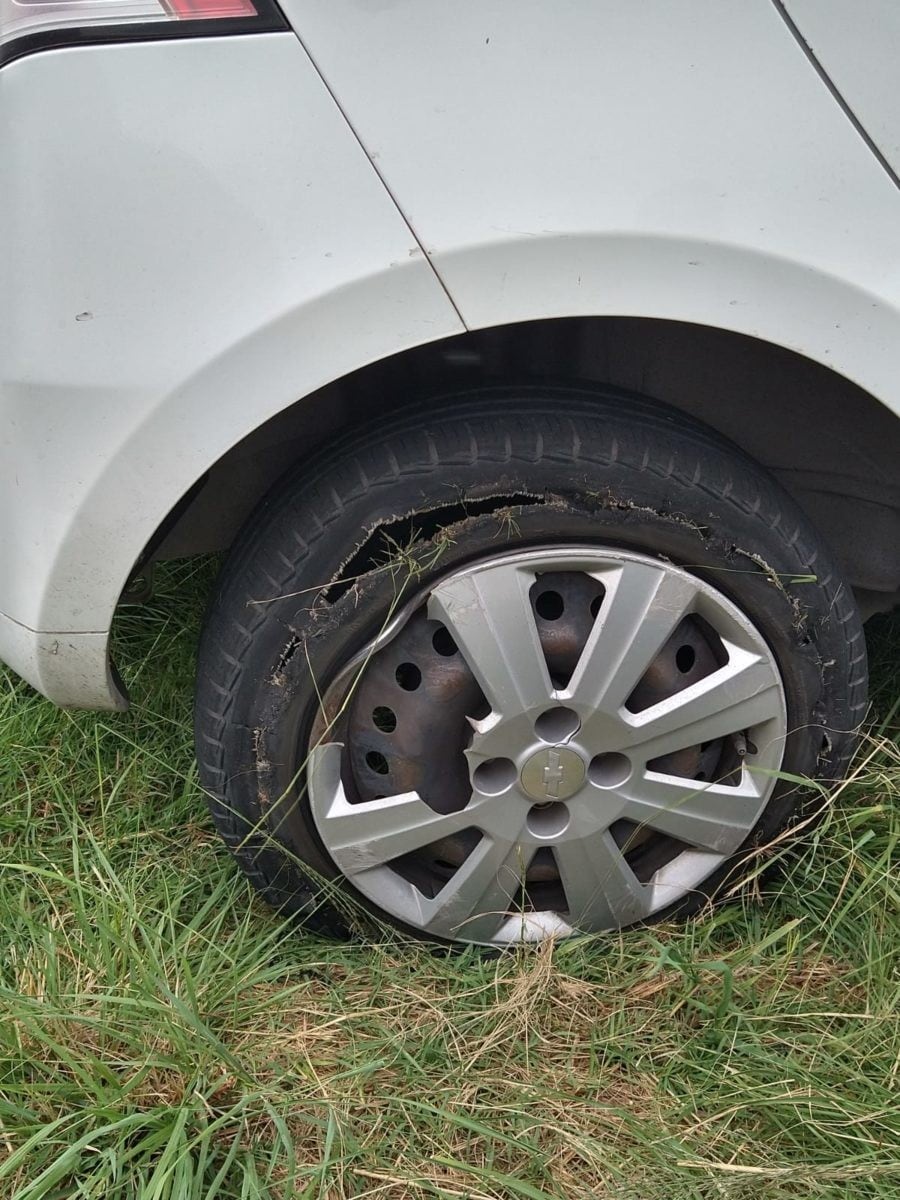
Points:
(554, 740)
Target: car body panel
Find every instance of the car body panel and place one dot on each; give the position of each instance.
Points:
(181, 262)
(73, 669)
(858, 46)
(668, 160)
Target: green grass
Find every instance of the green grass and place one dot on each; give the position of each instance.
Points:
(164, 1036)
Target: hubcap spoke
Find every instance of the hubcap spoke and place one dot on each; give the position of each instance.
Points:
(360, 836)
(602, 891)
(643, 605)
(475, 901)
(489, 615)
(743, 693)
(709, 816)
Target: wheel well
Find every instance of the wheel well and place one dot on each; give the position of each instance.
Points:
(833, 446)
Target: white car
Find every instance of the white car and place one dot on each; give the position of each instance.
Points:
(537, 365)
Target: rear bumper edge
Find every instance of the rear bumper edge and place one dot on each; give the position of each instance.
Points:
(71, 669)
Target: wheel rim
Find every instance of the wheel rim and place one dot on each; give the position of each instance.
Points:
(551, 741)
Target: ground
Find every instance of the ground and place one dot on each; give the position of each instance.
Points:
(164, 1036)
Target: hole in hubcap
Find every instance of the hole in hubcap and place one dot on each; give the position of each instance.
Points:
(557, 724)
(494, 776)
(548, 820)
(693, 652)
(609, 770)
(565, 604)
(431, 867)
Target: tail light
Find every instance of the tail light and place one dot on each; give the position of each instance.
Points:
(29, 25)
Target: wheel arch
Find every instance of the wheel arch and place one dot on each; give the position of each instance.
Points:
(832, 444)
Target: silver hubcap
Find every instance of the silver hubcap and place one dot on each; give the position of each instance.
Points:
(592, 734)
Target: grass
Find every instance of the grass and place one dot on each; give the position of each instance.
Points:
(164, 1036)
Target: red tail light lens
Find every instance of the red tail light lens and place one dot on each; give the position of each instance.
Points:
(29, 25)
(198, 10)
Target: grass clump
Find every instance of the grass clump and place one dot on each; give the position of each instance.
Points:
(164, 1036)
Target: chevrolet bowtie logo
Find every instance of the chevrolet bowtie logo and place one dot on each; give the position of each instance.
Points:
(554, 774)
